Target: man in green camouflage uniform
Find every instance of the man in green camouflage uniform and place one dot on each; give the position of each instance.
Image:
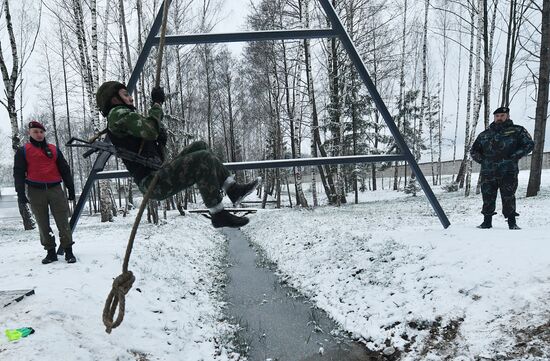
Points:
(195, 164)
(498, 149)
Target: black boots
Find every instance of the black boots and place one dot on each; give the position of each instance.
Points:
(69, 256)
(226, 219)
(512, 223)
(50, 257)
(237, 192)
(487, 222)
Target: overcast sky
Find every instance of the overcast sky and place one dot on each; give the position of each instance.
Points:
(233, 15)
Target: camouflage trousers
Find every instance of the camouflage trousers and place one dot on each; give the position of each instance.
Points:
(507, 184)
(195, 164)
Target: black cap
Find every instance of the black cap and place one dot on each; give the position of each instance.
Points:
(502, 110)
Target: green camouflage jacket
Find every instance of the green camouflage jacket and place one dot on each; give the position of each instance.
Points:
(132, 131)
(499, 148)
(123, 121)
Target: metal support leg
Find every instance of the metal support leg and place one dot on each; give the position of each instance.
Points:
(360, 66)
(98, 166)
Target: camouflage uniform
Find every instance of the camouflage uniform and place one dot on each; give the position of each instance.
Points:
(498, 149)
(195, 164)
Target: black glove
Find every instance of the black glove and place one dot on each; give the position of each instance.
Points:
(22, 198)
(72, 196)
(157, 95)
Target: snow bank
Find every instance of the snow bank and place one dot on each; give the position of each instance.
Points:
(391, 275)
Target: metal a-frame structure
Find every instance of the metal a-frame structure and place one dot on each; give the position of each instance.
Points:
(337, 31)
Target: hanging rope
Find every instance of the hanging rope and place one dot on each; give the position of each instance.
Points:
(123, 283)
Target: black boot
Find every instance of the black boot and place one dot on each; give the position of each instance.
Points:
(69, 256)
(512, 223)
(237, 192)
(226, 219)
(487, 222)
(50, 257)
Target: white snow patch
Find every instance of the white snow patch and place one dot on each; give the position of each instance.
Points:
(173, 311)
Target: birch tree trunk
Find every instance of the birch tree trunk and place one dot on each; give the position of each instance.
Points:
(477, 100)
(312, 104)
(10, 81)
(458, 84)
(316, 137)
(52, 98)
(423, 95)
(67, 109)
(401, 85)
(462, 171)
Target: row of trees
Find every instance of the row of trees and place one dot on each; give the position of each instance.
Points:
(433, 61)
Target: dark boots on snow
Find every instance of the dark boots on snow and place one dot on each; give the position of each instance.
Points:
(512, 223)
(487, 222)
(69, 256)
(237, 192)
(226, 219)
(50, 257)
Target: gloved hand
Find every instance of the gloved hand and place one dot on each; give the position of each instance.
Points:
(72, 196)
(157, 95)
(22, 198)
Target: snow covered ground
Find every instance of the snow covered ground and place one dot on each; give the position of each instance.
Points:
(385, 270)
(173, 311)
(391, 275)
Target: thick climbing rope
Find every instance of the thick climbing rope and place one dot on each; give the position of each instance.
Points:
(123, 283)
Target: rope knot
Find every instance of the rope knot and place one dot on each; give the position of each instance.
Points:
(123, 283)
(117, 298)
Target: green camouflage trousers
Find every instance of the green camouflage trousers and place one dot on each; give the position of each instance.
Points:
(508, 185)
(195, 164)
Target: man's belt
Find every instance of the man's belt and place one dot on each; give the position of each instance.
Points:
(39, 185)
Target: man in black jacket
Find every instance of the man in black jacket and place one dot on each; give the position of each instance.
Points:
(498, 149)
(42, 167)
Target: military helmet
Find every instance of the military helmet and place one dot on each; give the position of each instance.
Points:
(105, 93)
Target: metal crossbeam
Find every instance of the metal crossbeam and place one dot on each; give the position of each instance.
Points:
(281, 163)
(337, 30)
(248, 36)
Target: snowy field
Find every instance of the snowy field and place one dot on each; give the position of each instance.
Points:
(391, 275)
(173, 311)
(385, 270)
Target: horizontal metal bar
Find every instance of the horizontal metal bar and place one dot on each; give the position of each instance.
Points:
(110, 174)
(284, 163)
(248, 36)
(287, 163)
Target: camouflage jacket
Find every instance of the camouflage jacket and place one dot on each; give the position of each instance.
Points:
(499, 148)
(134, 132)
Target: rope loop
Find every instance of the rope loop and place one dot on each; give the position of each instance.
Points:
(117, 299)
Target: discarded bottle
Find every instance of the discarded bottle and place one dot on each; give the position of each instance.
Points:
(16, 334)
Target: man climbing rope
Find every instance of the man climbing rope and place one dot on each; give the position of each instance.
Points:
(42, 167)
(195, 164)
